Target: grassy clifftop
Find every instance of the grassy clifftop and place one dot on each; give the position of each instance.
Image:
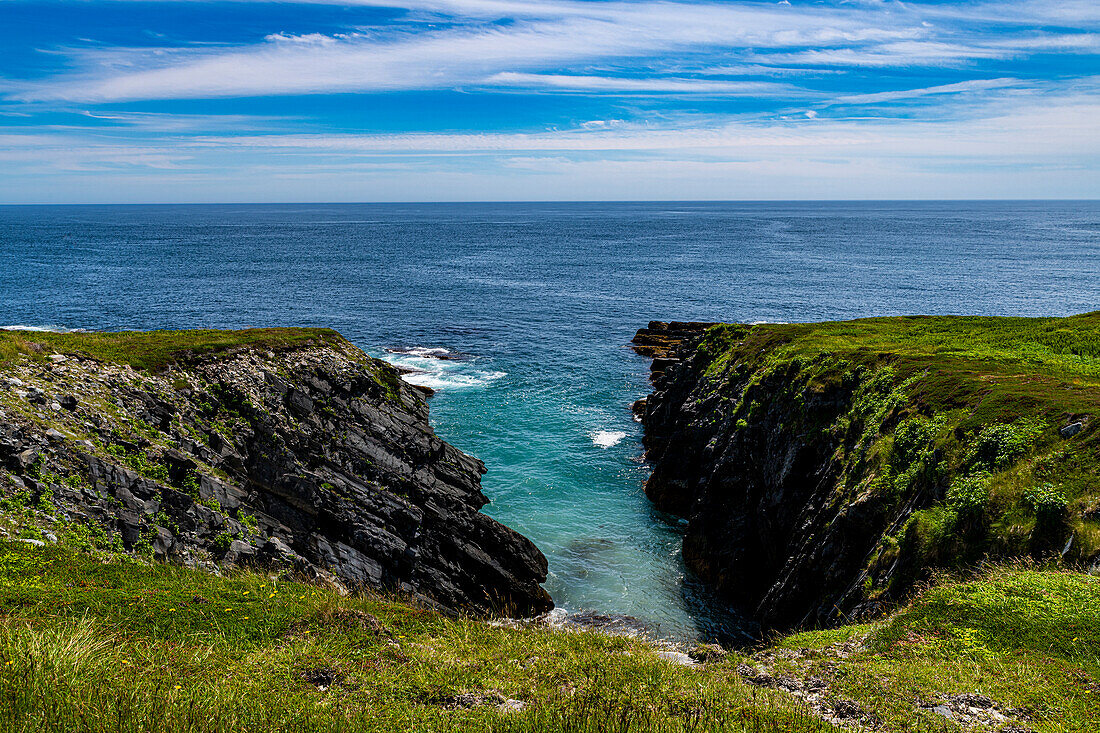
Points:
(997, 414)
(829, 466)
(153, 350)
(1015, 365)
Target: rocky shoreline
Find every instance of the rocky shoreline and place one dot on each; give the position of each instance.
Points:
(827, 469)
(315, 459)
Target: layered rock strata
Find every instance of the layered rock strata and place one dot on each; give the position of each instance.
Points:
(825, 469)
(317, 459)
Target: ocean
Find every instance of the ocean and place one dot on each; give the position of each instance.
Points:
(532, 307)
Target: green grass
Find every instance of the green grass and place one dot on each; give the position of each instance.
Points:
(94, 641)
(960, 415)
(91, 642)
(1027, 638)
(153, 350)
(1067, 348)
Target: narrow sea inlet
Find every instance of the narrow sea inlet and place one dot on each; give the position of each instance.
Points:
(518, 315)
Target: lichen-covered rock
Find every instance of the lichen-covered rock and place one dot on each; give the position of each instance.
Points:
(314, 458)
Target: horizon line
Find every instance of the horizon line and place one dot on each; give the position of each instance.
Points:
(549, 201)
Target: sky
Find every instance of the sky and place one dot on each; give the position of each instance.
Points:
(147, 101)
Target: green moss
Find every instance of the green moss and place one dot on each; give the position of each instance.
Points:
(139, 461)
(221, 542)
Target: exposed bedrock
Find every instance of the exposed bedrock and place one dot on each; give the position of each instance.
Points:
(821, 482)
(315, 458)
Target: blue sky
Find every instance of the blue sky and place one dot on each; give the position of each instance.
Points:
(425, 100)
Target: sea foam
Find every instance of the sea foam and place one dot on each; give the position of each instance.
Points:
(41, 329)
(440, 368)
(607, 438)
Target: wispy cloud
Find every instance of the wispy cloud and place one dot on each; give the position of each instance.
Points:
(567, 82)
(286, 63)
(560, 94)
(962, 87)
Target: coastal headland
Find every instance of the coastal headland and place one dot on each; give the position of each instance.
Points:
(215, 531)
(827, 468)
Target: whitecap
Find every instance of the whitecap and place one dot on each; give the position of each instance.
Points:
(442, 379)
(607, 438)
(41, 329)
(440, 368)
(424, 352)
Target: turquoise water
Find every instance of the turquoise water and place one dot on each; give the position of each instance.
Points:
(538, 302)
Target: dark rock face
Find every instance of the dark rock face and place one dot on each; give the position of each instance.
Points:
(316, 459)
(766, 527)
(662, 340)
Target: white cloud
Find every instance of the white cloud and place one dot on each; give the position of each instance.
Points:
(295, 64)
(956, 88)
(629, 85)
(1030, 126)
(552, 38)
(898, 55)
(628, 147)
(1037, 146)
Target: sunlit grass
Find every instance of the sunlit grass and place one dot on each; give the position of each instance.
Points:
(155, 349)
(95, 645)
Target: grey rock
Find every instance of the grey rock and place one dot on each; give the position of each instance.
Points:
(973, 700)
(707, 653)
(327, 465)
(27, 458)
(239, 552)
(1072, 429)
(676, 657)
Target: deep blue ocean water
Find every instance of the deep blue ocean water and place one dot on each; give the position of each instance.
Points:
(540, 300)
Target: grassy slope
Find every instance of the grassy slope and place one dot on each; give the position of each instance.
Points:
(94, 645)
(1027, 638)
(154, 350)
(964, 409)
(98, 642)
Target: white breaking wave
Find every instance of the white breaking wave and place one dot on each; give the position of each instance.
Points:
(41, 329)
(431, 367)
(425, 352)
(452, 381)
(607, 438)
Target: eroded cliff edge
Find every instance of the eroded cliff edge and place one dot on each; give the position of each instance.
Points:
(824, 469)
(277, 447)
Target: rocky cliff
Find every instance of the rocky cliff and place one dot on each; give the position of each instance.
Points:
(826, 468)
(280, 447)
